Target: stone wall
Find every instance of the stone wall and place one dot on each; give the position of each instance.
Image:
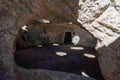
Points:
(13, 15)
(102, 19)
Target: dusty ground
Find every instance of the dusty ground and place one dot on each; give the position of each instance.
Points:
(80, 61)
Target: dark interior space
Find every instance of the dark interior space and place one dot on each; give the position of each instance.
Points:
(66, 58)
(68, 38)
(35, 51)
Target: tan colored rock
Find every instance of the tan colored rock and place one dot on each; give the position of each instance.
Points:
(102, 19)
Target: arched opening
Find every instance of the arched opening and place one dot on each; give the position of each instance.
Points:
(99, 15)
(46, 46)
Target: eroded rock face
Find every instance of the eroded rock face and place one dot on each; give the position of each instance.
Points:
(100, 17)
(13, 15)
(47, 75)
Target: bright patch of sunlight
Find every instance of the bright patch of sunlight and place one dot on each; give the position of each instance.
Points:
(84, 74)
(70, 23)
(43, 21)
(89, 55)
(55, 44)
(24, 28)
(77, 48)
(61, 53)
(107, 41)
(75, 39)
(39, 45)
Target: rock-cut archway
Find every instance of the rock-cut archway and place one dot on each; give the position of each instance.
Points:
(42, 46)
(102, 23)
(15, 14)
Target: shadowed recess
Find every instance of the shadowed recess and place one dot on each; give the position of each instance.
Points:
(61, 58)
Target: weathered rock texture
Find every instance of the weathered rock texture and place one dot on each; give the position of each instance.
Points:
(47, 75)
(100, 17)
(13, 15)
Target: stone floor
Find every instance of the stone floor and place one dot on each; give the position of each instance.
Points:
(66, 58)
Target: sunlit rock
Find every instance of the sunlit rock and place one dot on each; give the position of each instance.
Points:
(75, 39)
(55, 44)
(61, 53)
(25, 28)
(77, 48)
(84, 74)
(89, 55)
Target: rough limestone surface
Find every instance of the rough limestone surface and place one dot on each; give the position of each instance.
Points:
(100, 17)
